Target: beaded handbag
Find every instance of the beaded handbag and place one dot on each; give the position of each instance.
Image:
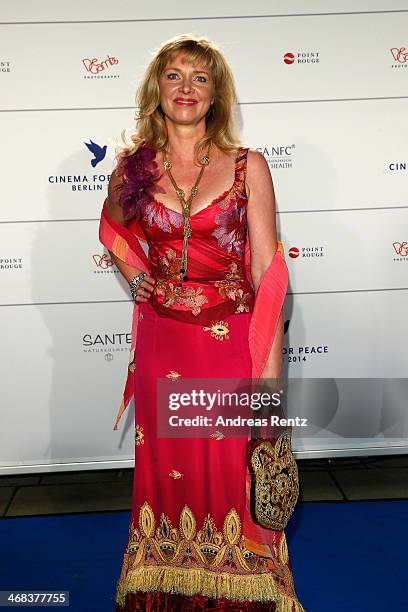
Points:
(274, 481)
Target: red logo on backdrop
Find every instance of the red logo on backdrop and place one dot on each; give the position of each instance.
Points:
(293, 252)
(289, 58)
(401, 248)
(102, 261)
(400, 55)
(95, 66)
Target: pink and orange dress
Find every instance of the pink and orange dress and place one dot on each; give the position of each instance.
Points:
(193, 544)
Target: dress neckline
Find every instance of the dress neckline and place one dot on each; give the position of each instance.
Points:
(219, 198)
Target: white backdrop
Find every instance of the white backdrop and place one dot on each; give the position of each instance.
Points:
(330, 117)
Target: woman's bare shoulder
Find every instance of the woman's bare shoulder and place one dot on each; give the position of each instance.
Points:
(256, 160)
(258, 173)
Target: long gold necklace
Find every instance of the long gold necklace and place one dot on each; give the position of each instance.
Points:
(186, 206)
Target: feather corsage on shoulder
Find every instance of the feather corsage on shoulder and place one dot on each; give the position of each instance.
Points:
(140, 173)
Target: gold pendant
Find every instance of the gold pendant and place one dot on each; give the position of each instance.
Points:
(185, 205)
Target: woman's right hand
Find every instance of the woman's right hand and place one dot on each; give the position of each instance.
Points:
(145, 289)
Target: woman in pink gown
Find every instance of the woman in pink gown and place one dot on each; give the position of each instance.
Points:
(193, 543)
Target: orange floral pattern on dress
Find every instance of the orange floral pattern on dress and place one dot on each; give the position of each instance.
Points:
(226, 285)
(139, 435)
(175, 474)
(231, 287)
(218, 435)
(173, 375)
(169, 268)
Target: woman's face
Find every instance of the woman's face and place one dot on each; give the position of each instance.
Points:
(186, 91)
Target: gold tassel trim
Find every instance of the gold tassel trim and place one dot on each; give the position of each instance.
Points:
(186, 581)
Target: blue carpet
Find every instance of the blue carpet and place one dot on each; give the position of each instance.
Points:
(344, 556)
(350, 555)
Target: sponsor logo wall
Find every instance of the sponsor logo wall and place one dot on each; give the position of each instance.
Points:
(329, 121)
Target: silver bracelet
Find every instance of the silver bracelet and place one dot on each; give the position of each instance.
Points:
(135, 282)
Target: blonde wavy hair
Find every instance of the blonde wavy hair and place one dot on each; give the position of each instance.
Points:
(220, 125)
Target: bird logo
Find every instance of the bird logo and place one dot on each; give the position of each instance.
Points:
(97, 151)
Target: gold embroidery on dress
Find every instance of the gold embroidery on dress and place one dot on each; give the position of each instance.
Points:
(242, 300)
(173, 375)
(183, 559)
(173, 294)
(139, 435)
(219, 330)
(192, 298)
(230, 287)
(232, 281)
(218, 435)
(140, 316)
(175, 474)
